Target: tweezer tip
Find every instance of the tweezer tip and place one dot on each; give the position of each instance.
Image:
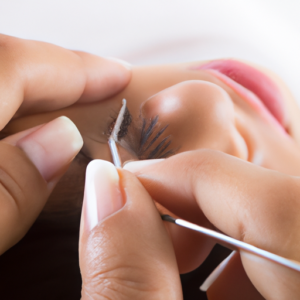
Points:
(116, 129)
(168, 218)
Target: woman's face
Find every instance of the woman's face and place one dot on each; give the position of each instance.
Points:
(173, 108)
(217, 105)
(176, 108)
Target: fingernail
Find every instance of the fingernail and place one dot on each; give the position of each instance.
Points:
(126, 64)
(137, 166)
(102, 195)
(216, 273)
(52, 146)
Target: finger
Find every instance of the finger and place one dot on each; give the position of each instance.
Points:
(125, 252)
(227, 188)
(191, 248)
(233, 283)
(31, 163)
(272, 280)
(37, 76)
(242, 200)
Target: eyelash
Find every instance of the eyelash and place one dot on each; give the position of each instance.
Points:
(142, 147)
(146, 142)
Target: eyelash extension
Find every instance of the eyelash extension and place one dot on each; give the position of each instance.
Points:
(160, 147)
(127, 120)
(149, 132)
(156, 137)
(147, 141)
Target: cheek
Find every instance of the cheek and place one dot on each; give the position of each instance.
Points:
(200, 115)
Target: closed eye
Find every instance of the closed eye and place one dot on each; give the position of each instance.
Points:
(152, 145)
(143, 138)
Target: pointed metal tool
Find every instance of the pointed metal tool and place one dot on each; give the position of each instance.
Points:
(220, 238)
(234, 244)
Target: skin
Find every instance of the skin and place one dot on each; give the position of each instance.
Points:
(110, 273)
(196, 95)
(215, 182)
(33, 78)
(219, 119)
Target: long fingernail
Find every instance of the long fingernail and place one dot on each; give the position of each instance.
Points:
(102, 195)
(126, 64)
(136, 166)
(52, 146)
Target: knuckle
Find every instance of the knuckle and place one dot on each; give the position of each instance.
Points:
(110, 274)
(11, 197)
(9, 47)
(197, 165)
(7, 42)
(20, 181)
(11, 190)
(276, 212)
(112, 284)
(11, 54)
(22, 195)
(204, 160)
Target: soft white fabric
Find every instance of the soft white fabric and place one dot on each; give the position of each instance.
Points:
(163, 31)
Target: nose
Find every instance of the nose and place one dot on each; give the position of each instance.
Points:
(199, 115)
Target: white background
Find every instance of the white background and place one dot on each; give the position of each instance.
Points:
(163, 31)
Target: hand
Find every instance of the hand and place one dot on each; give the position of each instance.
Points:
(247, 202)
(38, 77)
(124, 250)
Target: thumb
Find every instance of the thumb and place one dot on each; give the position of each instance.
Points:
(124, 249)
(31, 163)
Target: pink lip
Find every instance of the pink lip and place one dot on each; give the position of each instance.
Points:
(258, 89)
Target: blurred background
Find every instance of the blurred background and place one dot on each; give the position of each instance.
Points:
(266, 32)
